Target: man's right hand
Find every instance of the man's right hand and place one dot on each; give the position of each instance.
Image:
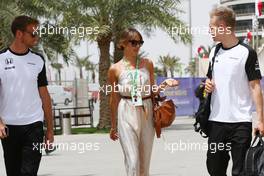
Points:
(2, 130)
(209, 86)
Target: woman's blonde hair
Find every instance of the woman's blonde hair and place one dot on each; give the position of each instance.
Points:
(128, 34)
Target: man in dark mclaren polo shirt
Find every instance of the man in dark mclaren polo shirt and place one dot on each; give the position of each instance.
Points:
(24, 101)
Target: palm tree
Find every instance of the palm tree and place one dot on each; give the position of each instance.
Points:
(8, 10)
(172, 64)
(85, 63)
(162, 62)
(177, 66)
(148, 15)
(158, 72)
(111, 19)
(81, 63)
(90, 66)
(191, 68)
(46, 10)
(58, 67)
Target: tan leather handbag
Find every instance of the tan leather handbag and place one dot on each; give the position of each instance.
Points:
(163, 113)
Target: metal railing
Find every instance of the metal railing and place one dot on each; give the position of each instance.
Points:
(87, 114)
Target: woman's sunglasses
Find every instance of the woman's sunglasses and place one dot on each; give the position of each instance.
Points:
(136, 43)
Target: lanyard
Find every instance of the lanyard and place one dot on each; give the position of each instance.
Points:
(135, 96)
(133, 77)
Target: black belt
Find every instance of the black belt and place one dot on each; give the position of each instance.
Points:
(128, 97)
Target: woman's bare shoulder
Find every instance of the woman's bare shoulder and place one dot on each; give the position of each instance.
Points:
(115, 68)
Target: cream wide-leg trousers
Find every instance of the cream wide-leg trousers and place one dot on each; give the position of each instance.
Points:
(136, 134)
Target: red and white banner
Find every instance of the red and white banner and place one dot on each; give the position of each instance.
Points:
(258, 7)
(249, 35)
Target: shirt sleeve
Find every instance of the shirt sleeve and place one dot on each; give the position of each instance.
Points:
(42, 78)
(252, 66)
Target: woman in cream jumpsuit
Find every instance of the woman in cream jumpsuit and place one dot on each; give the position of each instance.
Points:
(135, 123)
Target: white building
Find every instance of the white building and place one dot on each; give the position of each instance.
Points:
(245, 10)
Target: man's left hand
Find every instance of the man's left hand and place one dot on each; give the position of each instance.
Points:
(49, 138)
(259, 128)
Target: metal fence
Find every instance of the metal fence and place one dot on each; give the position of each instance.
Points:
(85, 118)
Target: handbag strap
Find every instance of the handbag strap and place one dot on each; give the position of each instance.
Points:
(211, 66)
(258, 136)
(196, 125)
(249, 168)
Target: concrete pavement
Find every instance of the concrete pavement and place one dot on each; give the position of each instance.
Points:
(181, 152)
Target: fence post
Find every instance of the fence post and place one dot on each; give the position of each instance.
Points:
(66, 123)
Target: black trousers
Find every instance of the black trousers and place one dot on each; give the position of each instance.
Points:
(21, 156)
(223, 139)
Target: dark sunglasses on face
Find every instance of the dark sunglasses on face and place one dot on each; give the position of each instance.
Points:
(33, 34)
(136, 43)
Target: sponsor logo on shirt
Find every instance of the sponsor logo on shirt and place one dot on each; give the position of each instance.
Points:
(8, 61)
(8, 68)
(235, 58)
(30, 63)
(9, 64)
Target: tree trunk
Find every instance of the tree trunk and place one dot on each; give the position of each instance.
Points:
(93, 76)
(165, 73)
(59, 71)
(81, 73)
(172, 73)
(118, 53)
(104, 64)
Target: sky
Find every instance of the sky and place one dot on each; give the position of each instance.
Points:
(159, 43)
